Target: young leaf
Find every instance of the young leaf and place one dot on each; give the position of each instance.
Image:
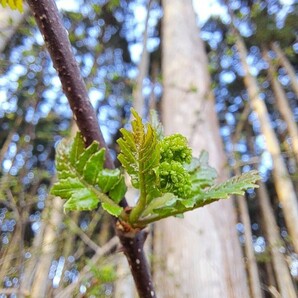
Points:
(234, 186)
(140, 154)
(82, 179)
(166, 200)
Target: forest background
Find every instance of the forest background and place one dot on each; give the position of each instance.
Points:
(129, 56)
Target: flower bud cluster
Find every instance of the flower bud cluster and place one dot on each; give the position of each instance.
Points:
(175, 147)
(173, 177)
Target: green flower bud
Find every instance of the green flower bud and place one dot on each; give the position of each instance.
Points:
(174, 178)
(175, 147)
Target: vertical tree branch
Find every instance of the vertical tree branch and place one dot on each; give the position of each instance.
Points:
(57, 42)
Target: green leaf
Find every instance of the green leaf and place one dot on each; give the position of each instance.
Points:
(82, 199)
(82, 179)
(170, 205)
(118, 191)
(157, 126)
(234, 186)
(140, 155)
(202, 174)
(165, 201)
(112, 209)
(76, 149)
(93, 170)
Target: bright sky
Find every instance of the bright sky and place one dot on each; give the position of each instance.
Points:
(205, 8)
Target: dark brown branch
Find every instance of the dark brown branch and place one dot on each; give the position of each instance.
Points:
(57, 42)
(137, 261)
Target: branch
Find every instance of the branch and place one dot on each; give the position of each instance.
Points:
(137, 262)
(56, 39)
(57, 42)
(84, 273)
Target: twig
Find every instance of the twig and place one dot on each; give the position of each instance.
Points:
(77, 230)
(56, 39)
(100, 252)
(55, 35)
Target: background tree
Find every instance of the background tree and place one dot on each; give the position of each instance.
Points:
(211, 272)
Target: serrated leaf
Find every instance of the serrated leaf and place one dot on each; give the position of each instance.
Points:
(66, 187)
(140, 155)
(85, 156)
(234, 186)
(82, 199)
(93, 168)
(202, 175)
(76, 148)
(108, 179)
(157, 126)
(169, 205)
(112, 209)
(118, 191)
(83, 181)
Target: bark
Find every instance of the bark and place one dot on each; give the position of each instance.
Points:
(283, 105)
(287, 66)
(200, 254)
(56, 39)
(282, 274)
(284, 186)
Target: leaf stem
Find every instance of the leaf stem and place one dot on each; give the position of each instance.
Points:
(153, 218)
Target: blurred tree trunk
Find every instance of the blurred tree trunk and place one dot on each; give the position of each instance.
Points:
(283, 104)
(251, 262)
(283, 184)
(282, 273)
(41, 283)
(138, 97)
(200, 254)
(287, 66)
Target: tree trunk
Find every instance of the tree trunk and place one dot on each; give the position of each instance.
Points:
(200, 254)
(287, 66)
(284, 186)
(283, 276)
(283, 105)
